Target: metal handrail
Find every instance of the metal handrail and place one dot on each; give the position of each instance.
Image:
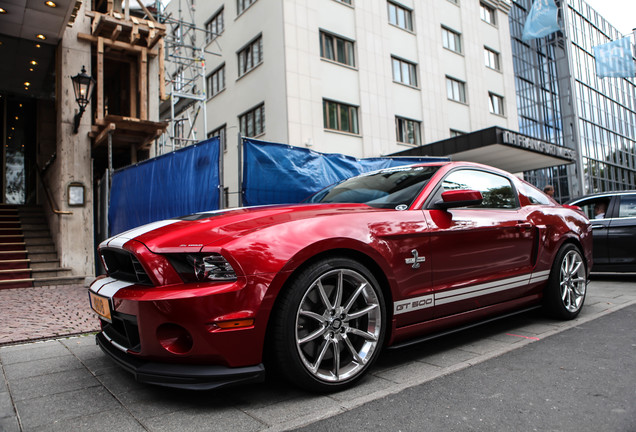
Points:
(48, 194)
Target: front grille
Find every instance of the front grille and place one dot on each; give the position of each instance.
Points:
(125, 266)
(123, 330)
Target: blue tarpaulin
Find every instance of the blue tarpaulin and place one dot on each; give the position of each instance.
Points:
(281, 174)
(176, 184)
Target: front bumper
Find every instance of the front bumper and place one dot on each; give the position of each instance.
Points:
(182, 376)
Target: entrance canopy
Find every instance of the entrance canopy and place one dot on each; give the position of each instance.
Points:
(498, 147)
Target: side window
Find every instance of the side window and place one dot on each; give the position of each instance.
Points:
(496, 190)
(595, 208)
(627, 206)
(535, 196)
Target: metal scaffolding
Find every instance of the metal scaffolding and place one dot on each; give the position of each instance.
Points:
(185, 74)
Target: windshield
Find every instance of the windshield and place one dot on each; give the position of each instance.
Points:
(391, 188)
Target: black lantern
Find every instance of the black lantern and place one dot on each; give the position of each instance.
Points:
(83, 85)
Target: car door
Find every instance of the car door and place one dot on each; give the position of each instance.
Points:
(598, 209)
(621, 232)
(481, 255)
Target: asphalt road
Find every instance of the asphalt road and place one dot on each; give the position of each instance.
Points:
(583, 379)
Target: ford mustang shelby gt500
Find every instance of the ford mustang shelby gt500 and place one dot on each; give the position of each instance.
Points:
(317, 289)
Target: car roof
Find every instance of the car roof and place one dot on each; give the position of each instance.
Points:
(603, 194)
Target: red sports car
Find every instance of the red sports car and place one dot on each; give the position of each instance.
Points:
(317, 289)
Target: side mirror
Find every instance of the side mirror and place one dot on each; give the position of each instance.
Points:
(459, 198)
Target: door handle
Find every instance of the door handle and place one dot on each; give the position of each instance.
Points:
(598, 226)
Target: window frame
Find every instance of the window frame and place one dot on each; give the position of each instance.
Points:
(355, 130)
(210, 77)
(449, 35)
(495, 102)
(243, 5)
(252, 114)
(488, 14)
(463, 97)
(412, 71)
(491, 54)
(221, 132)
(329, 44)
(246, 52)
(399, 130)
(210, 34)
(405, 11)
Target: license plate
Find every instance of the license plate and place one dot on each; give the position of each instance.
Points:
(100, 305)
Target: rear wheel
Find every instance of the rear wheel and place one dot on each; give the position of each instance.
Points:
(330, 325)
(567, 286)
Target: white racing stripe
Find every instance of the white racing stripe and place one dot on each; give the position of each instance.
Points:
(108, 287)
(119, 240)
(451, 296)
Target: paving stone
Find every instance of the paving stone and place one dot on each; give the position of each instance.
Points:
(43, 411)
(297, 407)
(449, 358)
(53, 383)
(118, 420)
(368, 385)
(41, 367)
(208, 419)
(6, 405)
(30, 352)
(412, 372)
(9, 424)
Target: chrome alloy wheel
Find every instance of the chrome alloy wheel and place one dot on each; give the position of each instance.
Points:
(338, 325)
(572, 281)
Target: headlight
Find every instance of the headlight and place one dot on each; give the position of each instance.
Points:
(202, 267)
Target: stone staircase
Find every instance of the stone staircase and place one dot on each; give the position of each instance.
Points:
(27, 253)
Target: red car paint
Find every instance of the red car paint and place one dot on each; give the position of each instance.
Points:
(464, 253)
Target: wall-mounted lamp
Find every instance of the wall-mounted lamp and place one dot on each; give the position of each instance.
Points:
(83, 85)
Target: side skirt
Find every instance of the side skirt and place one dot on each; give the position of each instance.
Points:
(440, 327)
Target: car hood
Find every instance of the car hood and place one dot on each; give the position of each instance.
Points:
(194, 232)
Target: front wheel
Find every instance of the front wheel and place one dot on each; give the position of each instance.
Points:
(567, 285)
(330, 325)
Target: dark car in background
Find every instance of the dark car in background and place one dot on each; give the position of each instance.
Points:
(613, 217)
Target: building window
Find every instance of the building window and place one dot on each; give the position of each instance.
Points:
(215, 26)
(349, 2)
(252, 123)
(220, 132)
(451, 40)
(400, 16)
(496, 104)
(250, 56)
(407, 131)
(216, 81)
(404, 72)
(241, 5)
(454, 1)
(456, 90)
(340, 117)
(455, 133)
(488, 14)
(336, 49)
(491, 59)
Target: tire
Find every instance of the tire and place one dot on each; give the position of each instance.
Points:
(329, 325)
(567, 285)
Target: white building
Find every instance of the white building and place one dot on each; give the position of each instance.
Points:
(361, 77)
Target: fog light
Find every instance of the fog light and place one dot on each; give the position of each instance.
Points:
(174, 338)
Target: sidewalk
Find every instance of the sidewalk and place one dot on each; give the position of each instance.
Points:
(28, 314)
(69, 384)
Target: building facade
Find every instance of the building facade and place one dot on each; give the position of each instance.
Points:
(361, 78)
(560, 99)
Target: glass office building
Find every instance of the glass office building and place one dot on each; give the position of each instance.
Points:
(561, 100)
